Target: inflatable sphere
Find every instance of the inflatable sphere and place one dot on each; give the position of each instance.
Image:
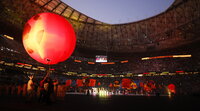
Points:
(49, 38)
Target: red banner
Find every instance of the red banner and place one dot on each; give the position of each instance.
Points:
(126, 83)
(68, 82)
(92, 83)
(79, 82)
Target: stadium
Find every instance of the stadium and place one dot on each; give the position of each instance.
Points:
(137, 63)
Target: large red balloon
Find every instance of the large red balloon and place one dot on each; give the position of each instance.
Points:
(49, 38)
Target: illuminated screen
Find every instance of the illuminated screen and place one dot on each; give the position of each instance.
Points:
(101, 58)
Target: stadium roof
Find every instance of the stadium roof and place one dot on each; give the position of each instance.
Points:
(177, 26)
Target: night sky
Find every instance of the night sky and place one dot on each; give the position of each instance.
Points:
(119, 11)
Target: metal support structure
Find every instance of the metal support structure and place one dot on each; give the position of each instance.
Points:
(46, 4)
(64, 10)
(79, 17)
(56, 6)
(71, 13)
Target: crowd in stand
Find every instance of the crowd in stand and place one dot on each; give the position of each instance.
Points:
(136, 66)
(185, 84)
(135, 63)
(9, 53)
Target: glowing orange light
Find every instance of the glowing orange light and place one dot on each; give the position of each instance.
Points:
(77, 61)
(49, 38)
(108, 63)
(91, 63)
(124, 61)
